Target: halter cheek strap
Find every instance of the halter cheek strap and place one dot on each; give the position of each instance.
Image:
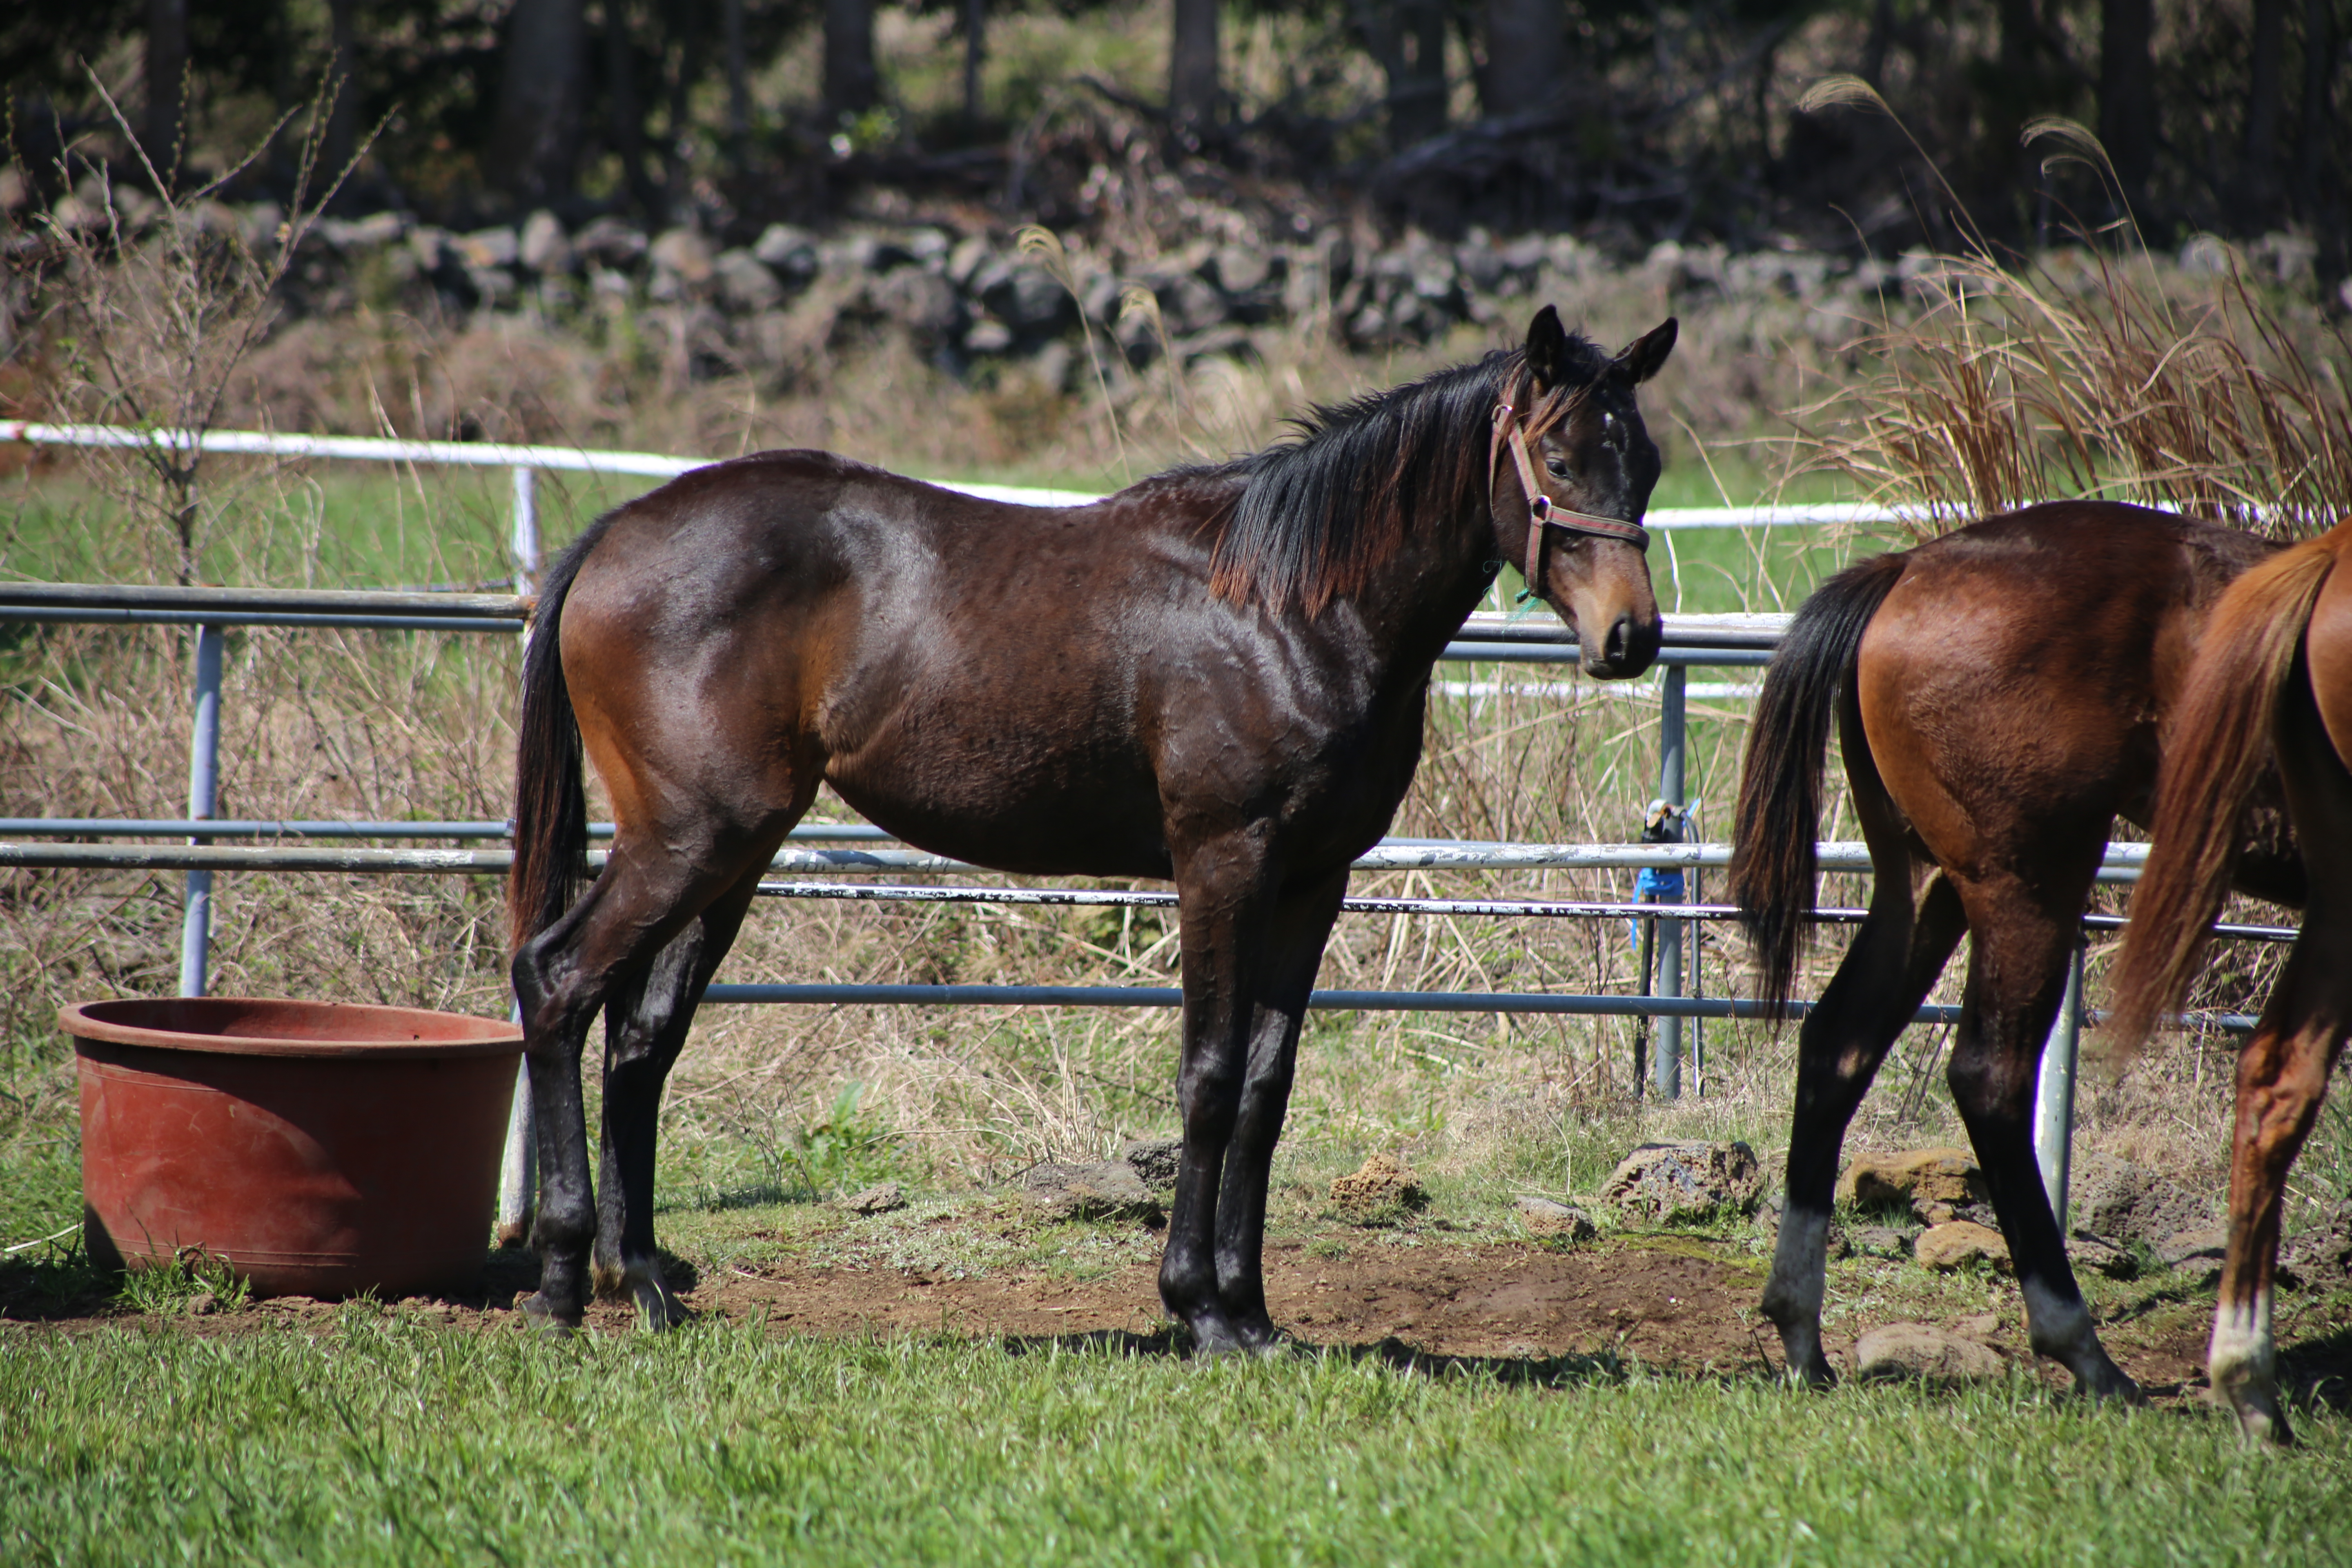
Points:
(1542, 515)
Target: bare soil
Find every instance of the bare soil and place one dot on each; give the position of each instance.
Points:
(1675, 1302)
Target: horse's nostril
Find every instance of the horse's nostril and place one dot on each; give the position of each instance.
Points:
(1618, 643)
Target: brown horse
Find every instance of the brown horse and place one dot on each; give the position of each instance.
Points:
(2000, 694)
(2272, 678)
(1216, 675)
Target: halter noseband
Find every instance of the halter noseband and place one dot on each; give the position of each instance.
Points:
(1542, 515)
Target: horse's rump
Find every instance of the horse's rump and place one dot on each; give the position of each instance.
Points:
(2217, 746)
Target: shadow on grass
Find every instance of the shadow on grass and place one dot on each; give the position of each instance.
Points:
(1531, 1372)
(2317, 1372)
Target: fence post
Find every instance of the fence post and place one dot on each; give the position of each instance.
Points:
(204, 791)
(1666, 1065)
(519, 1165)
(524, 545)
(2053, 1093)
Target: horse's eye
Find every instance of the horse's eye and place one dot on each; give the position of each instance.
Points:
(1557, 469)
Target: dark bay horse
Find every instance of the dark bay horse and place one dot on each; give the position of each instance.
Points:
(1216, 675)
(2001, 693)
(2272, 680)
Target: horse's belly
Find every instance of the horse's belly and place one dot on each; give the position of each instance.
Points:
(1096, 825)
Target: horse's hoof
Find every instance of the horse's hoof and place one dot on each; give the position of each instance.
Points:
(2109, 1382)
(546, 1318)
(659, 1312)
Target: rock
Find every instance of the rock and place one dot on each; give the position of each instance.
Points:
(203, 1304)
(745, 282)
(684, 254)
(1914, 1176)
(1977, 1325)
(880, 1198)
(1383, 1181)
(1154, 1160)
(920, 301)
(1878, 1241)
(372, 231)
(1660, 1181)
(1556, 1222)
(2115, 1198)
(2205, 1244)
(1241, 267)
(488, 247)
(1928, 1212)
(786, 249)
(1904, 1351)
(2101, 1256)
(609, 242)
(1947, 1247)
(1026, 299)
(1103, 1189)
(969, 254)
(544, 248)
(985, 336)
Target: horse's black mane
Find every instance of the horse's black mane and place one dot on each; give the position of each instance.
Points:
(1318, 513)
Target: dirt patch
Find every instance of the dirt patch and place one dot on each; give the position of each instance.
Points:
(1677, 1301)
(1462, 1299)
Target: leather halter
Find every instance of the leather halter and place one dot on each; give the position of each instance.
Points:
(1543, 516)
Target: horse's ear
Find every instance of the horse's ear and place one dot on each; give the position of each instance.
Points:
(1548, 351)
(1642, 357)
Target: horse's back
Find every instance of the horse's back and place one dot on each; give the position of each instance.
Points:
(2020, 670)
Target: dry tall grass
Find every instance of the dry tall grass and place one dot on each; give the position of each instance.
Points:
(2091, 370)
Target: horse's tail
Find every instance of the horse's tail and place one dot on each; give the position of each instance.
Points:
(2214, 749)
(551, 827)
(1774, 856)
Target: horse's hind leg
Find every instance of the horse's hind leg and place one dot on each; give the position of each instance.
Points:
(2283, 1074)
(645, 1023)
(2023, 941)
(1876, 991)
(1894, 958)
(562, 977)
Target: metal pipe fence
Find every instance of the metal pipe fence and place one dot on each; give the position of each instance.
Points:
(1744, 641)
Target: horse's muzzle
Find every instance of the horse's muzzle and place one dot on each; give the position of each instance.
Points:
(1630, 646)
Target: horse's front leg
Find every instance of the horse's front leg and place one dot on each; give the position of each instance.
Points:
(1224, 909)
(1283, 980)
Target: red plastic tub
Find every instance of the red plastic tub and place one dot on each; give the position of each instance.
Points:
(316, 1147)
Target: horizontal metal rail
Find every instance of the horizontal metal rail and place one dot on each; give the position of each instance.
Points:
(1533, 1002)
(657, 465)
(2123, 860)
(224, 827)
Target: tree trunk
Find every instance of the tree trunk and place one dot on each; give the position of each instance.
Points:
(535, 139)
(342, 77)
(1193, 79)
(2318, 113)
(2258, 189)
(1526, 40)
(2127, 94)
(167, 80)
(975, 53)
(1417, 107)
(852, 85)
(738, 90)
(628, 112)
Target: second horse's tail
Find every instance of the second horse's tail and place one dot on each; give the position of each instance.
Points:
(2213, 752)
(1774, 855)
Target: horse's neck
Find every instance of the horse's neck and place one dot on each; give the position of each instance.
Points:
(1422, 594)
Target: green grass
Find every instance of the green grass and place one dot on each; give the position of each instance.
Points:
(388, 1438)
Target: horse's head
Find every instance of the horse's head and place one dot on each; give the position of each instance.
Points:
(1573, 471)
